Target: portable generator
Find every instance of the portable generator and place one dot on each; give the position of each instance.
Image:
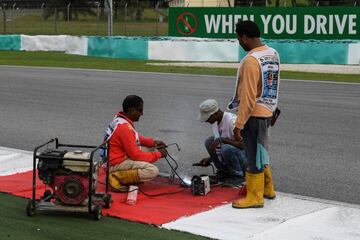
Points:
(72, 176)
(68, 179)
(200, 185)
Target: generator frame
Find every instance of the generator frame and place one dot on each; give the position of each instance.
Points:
(95, 209)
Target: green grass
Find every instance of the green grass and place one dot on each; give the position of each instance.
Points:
(16, 225)
(352, 78)
(55, 59)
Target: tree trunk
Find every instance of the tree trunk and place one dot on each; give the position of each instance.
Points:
(312, 2)
(259, 3)
(102, 7)
(115, 7)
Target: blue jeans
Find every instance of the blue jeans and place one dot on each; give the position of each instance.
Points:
(233, 159)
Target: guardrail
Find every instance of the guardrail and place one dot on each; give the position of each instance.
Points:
(185, 49)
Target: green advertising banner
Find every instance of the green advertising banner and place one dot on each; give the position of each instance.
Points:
(322, 23)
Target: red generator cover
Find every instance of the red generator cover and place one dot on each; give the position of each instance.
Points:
(71, 189)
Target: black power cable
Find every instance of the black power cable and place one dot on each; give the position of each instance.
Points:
(173, 169)
(184, 185)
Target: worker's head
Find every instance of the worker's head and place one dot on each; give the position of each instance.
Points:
(133, 107)
(248, 34)
(209, 111)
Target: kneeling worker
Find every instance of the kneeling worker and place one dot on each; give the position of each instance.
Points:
(129, 164)
(226, 153)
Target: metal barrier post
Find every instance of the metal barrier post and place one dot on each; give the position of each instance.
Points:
(13, 17)
(4, 17)
(110, 18)
(68, 12)
(98, 18)
(125, 18)
(43, 17)
(42, 11)
(55, 19)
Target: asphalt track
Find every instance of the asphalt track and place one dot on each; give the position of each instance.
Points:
(314, 147)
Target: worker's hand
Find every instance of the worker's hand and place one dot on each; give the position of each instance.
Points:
(205, 162)
(239, 144)
(237, 135)
(163, 152)
(159, 143)
(238, 138)
(214, 145)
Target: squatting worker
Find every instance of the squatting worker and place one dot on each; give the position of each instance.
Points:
(255, 99)
(129, 163)
(227, 154)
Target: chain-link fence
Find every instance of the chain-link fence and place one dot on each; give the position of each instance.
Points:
(295, 3)
(130, 18)
(260, 3)
(90, 18)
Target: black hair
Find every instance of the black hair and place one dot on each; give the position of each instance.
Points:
(248, 28)
(131, 101)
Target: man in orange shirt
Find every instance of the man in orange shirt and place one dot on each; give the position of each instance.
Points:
(130, 162)
(255, 100)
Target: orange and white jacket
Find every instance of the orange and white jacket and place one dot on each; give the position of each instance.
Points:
(125, 142)
(257, 87)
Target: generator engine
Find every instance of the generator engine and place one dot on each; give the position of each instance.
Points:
(68, 179)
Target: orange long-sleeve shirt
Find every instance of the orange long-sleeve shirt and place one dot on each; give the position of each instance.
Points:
(123, 145)
(249, 88)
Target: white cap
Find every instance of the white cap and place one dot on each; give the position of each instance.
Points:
(207, 108)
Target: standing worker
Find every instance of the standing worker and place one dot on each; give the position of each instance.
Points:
(129, 162)
(255, 99)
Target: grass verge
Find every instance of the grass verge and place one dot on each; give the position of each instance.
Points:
(56, 59)
(16, 225)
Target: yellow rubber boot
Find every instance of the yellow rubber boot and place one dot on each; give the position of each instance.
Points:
(120, 180)
(269, 190)
(255, 192)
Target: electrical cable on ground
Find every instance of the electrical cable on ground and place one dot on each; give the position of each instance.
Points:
(183, 184)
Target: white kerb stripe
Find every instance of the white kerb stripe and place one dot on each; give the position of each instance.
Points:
(15, 161)
(354, 53)
(193, 51)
